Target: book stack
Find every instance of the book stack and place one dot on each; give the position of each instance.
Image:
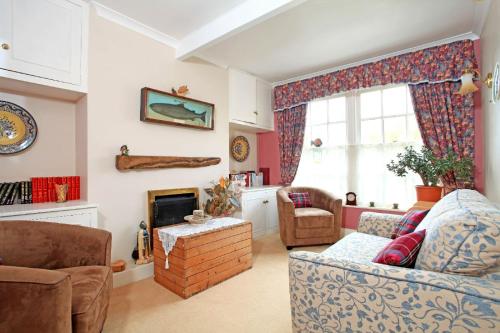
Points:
(15, 193)
(43, 189)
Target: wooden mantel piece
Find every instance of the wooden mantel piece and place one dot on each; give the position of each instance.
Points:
(160, 162)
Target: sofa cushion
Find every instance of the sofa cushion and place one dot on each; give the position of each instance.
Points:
(462, 235)
(300, 199)
(402, 251)
(91, 288)
(409, 223)
(357, 247)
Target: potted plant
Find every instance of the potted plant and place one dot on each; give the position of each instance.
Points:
(430, 169)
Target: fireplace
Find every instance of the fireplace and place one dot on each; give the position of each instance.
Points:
(168, 207)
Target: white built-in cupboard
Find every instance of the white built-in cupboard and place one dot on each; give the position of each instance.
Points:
(44, 43)
(258, 205)
(250, 102)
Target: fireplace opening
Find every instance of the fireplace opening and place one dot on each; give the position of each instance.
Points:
(171, 209)
(168, 207)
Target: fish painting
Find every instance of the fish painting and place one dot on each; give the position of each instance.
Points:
(178, 111)
(163, 107)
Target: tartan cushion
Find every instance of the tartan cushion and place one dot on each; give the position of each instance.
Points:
(300, 199)
(409, 222)
(402, 251)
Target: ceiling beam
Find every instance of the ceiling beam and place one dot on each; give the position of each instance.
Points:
(242, 17)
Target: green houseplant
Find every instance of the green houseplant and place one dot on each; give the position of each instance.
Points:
(431, 169)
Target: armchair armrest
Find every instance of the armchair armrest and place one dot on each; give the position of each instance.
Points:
(53, 245)
(34, 300)
(378, 224)
(326, 201)
(332, 295)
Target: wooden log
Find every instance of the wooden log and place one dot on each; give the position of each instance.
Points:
(161, 162)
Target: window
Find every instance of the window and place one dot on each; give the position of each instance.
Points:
(361, 132)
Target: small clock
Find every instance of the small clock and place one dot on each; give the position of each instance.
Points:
(350, 199)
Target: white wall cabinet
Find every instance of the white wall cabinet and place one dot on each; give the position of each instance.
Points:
(258, 205)
(44, 42)
(250, 102)
(71, 212)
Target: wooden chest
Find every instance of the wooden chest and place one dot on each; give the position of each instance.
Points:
(200, 261)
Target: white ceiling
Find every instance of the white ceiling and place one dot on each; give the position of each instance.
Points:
(324, 33)
(176, 18)
(289, 38)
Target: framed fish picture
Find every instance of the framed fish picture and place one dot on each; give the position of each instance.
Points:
(166, 108)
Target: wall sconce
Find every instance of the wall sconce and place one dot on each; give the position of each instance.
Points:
(468, 85)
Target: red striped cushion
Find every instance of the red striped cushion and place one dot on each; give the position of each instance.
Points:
(402, 251)
(300, 199)
(409, 223)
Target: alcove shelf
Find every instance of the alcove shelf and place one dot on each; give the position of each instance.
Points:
(124, 162)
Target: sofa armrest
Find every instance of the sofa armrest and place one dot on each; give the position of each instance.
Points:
(53, 245)
(378, 224)
(332, 295)
(34, 300)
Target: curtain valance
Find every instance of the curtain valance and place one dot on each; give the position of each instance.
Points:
(436, 64)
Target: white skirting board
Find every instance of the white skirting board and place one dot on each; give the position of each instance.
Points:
(135, 273)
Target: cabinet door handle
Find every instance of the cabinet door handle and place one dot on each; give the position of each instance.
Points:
(256, 113)
(265, 201)
(5, 46)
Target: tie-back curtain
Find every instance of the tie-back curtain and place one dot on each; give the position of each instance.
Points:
(436, 64)
(446, 122)
(291, 125)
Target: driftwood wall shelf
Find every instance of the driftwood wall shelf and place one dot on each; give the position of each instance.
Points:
(160, 162)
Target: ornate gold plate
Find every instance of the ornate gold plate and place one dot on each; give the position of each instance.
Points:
(18, 128)
(240, 148)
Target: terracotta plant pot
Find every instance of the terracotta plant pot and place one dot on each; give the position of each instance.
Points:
(429, 193)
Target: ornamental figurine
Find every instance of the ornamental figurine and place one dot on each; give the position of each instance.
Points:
(124, 150)
(143, 245)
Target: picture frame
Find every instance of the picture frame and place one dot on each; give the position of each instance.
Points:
(165, 108)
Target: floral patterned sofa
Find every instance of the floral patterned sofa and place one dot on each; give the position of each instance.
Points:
(454, 287)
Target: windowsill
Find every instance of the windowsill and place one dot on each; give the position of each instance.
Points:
(385, 209)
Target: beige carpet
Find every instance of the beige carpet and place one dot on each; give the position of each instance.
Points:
(254, 301)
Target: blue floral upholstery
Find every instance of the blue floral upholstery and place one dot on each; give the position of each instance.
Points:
(378, 224)
(341, 290)
(462, 235)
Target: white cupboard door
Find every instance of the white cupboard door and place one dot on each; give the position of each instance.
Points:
(254, 211)
(44, 38)
(272, 211)
(265, 116)
(242, 101)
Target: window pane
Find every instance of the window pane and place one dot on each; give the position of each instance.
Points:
(319, 111)
(409, 104)
(371, 131)
(336, 109)
(307, 137)
(394, 101)
(370, 104)
(395, 129)
(336, 134)
(319, 131)
(413, 130)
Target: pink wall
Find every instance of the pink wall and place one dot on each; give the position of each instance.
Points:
(268, 155)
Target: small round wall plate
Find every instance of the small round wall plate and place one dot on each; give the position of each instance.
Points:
(17, 128)
(240, 148)
(495, 91)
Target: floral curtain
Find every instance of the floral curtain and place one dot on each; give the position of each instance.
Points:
(291, 125)
(436, 64)
(446, 121)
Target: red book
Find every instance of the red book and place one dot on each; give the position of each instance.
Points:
(73, 188)
(34, 197)
(77, 187)
(50, 188)
(45, 188)
(70, 188)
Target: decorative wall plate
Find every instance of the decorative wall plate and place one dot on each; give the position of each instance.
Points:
(240, 148)
(495, 91)
(17, 128)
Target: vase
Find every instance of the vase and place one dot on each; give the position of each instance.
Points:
(429, 193)
(61, 192)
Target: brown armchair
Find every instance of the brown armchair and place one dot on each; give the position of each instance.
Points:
(319, 224)
(53, 277)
